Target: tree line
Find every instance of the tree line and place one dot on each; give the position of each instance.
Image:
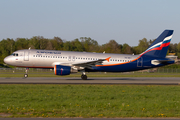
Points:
(8, 46)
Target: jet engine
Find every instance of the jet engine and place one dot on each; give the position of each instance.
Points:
(63, 70)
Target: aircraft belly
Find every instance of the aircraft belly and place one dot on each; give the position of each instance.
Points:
(37, 63)
(43, 63)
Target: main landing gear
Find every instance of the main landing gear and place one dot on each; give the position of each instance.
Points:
(84, 76)
(26, 75)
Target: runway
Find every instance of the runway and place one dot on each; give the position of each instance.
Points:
(93, 80)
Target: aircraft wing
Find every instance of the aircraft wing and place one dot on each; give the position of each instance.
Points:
(90, 63)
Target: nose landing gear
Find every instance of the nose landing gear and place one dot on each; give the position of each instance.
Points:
(26, 75)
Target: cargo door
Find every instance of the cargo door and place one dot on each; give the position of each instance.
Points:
(140, 62)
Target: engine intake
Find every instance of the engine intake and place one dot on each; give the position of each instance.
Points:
(62, 70)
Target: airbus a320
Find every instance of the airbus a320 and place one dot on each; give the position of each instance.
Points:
(67, 62)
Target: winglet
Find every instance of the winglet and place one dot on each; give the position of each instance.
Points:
(108, 59)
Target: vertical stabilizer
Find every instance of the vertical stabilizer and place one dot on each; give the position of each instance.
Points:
(160, 46)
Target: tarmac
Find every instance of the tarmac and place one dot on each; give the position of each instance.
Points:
(93, 80)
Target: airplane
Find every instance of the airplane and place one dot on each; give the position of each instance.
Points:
(67, 62)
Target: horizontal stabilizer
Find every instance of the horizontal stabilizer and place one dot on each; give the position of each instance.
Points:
(157, 62)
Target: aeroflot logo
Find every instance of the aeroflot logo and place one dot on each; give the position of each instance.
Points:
(48, 52)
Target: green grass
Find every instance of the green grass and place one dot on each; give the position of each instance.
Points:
(89, 101)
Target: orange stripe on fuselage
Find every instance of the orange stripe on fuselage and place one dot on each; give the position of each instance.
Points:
(158, 48)
(118, 63)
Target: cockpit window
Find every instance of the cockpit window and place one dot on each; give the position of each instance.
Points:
(15, 54)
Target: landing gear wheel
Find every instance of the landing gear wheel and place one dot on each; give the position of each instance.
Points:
(84, 77)
(25, 75)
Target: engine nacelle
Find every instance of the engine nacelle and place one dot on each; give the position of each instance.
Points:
(62, 70)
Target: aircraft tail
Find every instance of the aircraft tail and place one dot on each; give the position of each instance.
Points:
(160, 46)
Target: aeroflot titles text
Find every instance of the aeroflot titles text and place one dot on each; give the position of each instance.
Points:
(48, 52)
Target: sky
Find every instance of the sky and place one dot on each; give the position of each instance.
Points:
(125, 21)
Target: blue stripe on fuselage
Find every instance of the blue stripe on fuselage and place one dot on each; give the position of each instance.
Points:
(131, 66)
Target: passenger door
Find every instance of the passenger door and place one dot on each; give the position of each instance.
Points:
(26, 55)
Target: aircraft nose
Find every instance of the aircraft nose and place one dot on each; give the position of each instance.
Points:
(7, 60)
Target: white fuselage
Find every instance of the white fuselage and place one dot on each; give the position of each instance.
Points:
(49, 58)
